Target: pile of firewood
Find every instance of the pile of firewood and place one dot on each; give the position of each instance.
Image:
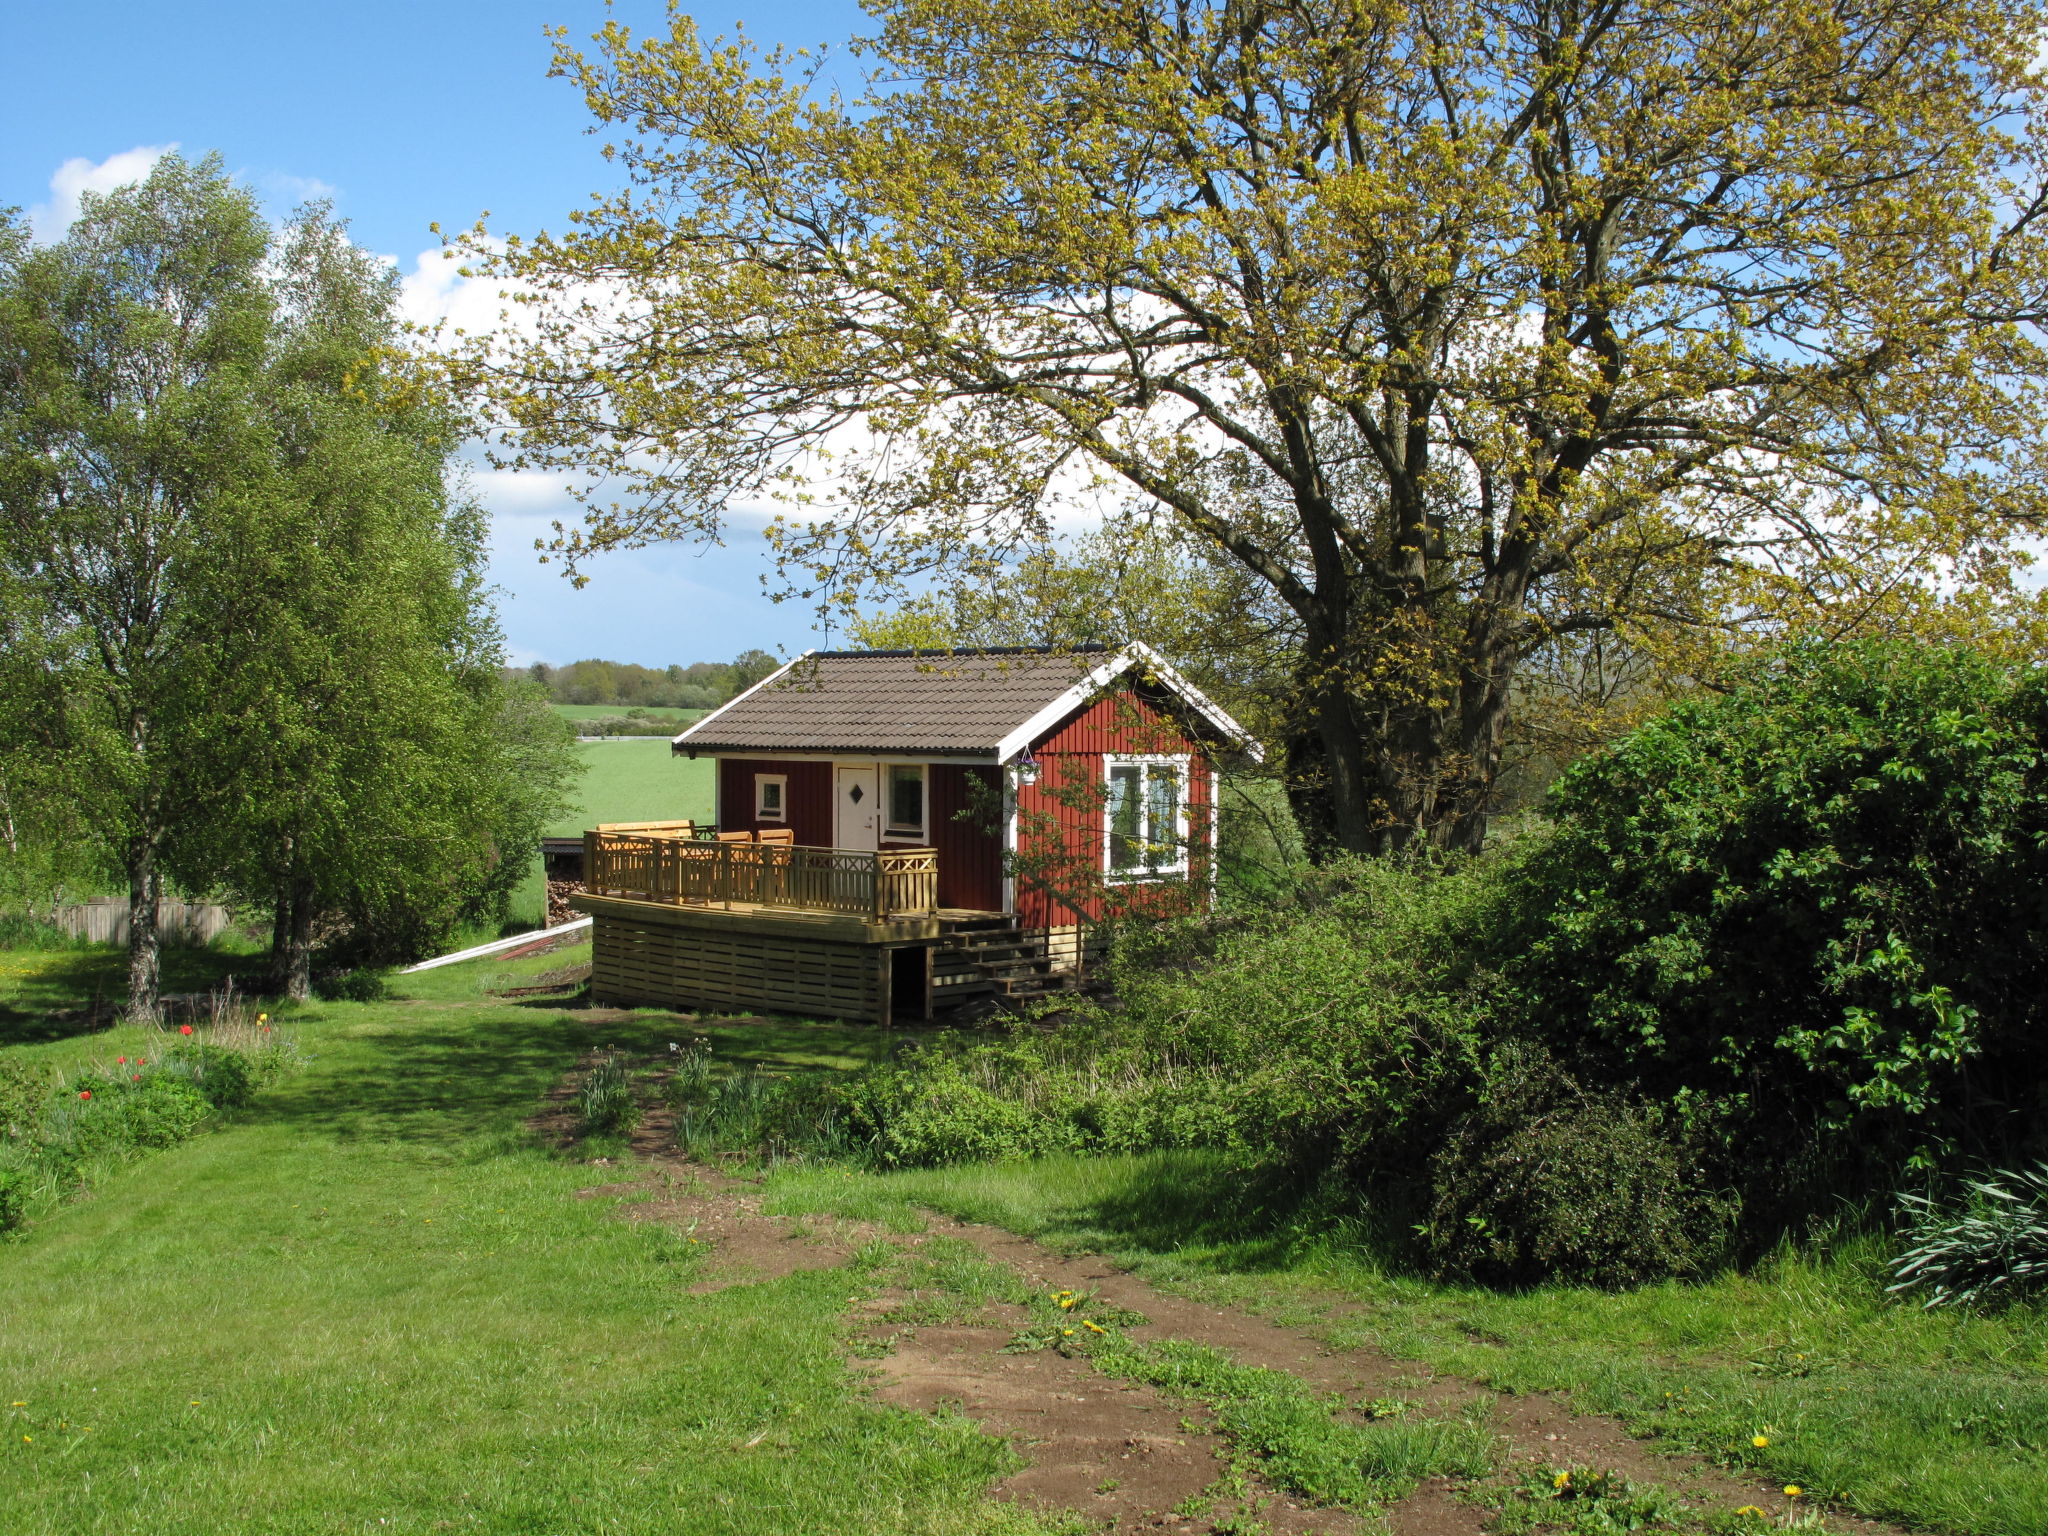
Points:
(559, 892)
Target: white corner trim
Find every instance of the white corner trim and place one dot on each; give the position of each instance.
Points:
(677, 741)
(1079, 695)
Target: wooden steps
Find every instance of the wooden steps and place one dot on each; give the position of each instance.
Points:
(987, 958)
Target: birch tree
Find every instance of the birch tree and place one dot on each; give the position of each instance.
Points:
(132, 435)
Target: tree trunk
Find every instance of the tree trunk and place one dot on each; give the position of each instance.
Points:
(145, 889)
(298, 960)
(1373, 782)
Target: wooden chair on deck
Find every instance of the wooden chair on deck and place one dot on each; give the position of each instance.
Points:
(780, 837)
(735, 837)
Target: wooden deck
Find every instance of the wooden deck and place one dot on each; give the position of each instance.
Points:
(676, 867)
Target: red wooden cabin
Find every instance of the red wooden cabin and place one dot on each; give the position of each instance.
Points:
(899, 831)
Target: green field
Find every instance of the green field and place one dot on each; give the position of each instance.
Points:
(636, 778)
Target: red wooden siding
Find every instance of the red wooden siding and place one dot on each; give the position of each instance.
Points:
(1059, 819)
(808, 797)
(964, 819)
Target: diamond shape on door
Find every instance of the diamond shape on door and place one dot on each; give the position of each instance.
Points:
(854, 795)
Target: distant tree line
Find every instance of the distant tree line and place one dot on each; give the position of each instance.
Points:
(701, 685)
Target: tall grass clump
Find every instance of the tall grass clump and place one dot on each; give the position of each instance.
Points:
(1990, 1248)
(608, 1104)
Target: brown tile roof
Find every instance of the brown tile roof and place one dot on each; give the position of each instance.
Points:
(893, 701)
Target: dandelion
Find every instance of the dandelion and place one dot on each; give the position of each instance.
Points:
(1066, 1333)
(1759, 1441)
(1793, 1490)
(1751, 1509)
(1093, 1327)
(22, 1404)
(1562, 1480)
(27, 1440)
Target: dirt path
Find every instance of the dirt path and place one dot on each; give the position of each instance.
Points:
(1122, 1454)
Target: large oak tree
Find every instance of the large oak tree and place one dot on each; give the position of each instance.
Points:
(1466, 328)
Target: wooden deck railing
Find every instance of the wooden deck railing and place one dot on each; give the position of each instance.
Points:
(659, 866)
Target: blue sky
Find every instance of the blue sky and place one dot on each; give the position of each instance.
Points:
(404, 115)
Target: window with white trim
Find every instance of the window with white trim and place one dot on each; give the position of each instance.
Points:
(905, 801)
(771, 797)
(1145, 818)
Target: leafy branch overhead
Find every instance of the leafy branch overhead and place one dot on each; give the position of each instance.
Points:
(1464, 329)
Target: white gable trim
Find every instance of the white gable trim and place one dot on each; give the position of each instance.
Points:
(676, 742)
(1078, 696)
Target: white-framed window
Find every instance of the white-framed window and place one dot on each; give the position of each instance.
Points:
(903, 803)
(1145, 817)
(771, 797)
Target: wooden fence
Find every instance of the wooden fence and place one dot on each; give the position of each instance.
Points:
(895, 882)
(177, 922)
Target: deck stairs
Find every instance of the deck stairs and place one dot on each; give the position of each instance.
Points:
(985, 957)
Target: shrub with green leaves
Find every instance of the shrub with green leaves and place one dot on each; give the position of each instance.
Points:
(1814, 908)
(13, 1198)
(224, 1078)
(1304, 1033)
(1545, 1179)
(1991, 1247)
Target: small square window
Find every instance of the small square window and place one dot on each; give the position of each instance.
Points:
(906, 800)
(771, 792)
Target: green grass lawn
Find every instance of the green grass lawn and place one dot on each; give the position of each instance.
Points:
(372, 1303)
(1936, 1420)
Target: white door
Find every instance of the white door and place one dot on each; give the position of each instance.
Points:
(857, 814)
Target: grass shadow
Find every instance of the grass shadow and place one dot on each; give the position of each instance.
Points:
(60, 994)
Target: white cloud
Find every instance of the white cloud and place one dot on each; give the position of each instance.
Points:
(298, 189)
(439, 291)
(78, 176)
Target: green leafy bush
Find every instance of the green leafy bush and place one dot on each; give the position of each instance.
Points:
(23, 1092)
(1543, 1179)
(224, 1078)
(108, 1116)
(13, 1198)
(1992, 1248)
(1818, 901)
(358, 985)
(1306, 1033)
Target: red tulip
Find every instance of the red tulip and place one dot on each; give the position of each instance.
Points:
(184, 1029)
(123, 1060)
(135, 1077)
(85, 1093)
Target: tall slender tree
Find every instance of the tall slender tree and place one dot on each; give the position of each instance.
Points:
(1466, 328)
(133, 437)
